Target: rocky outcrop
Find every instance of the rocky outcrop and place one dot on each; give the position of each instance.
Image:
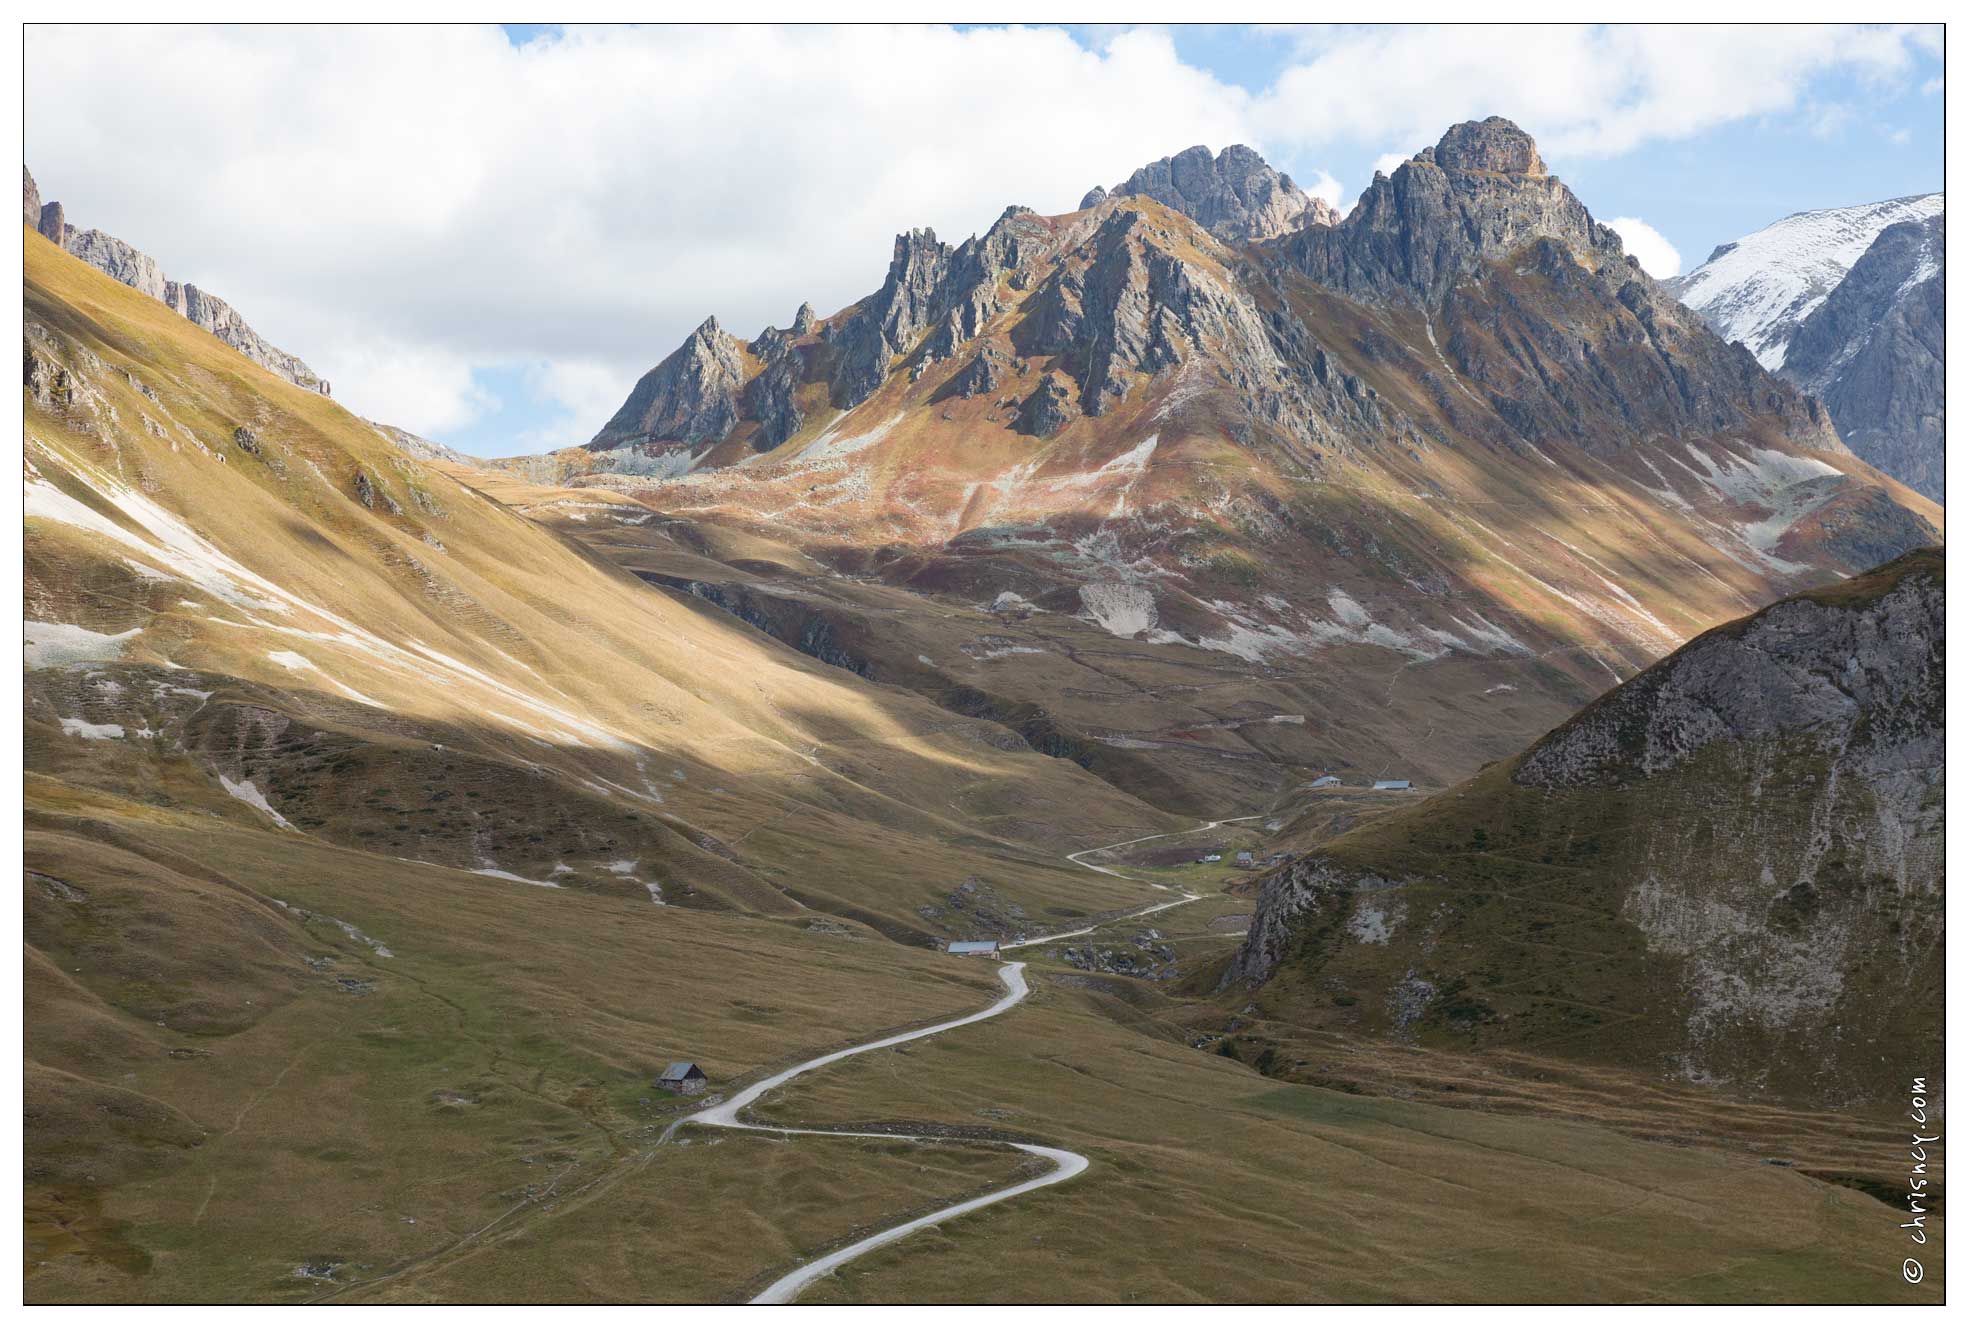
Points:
(1050, 408)
(54, 224)
(1236, 195)
(1480, 195)
(423, 449)
(30, 199)
(220, 319)
(1746, 837)
(1862, 683)
(769, 396)
(690, 399)
(1093, 197)
(126, 263)
(1873, 353)
(141, 272)
(981, 376)
(930, 284)
(1596, 352)
(1135, 307)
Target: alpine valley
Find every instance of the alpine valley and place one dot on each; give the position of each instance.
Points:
(1455, 742)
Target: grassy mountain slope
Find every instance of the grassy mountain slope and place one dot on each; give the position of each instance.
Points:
(1728, 870)
(291, 695)
(381, 842)
(369, 630)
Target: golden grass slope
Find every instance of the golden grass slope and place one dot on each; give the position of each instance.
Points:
(186, 510)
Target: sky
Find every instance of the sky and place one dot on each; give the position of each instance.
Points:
(485, 235)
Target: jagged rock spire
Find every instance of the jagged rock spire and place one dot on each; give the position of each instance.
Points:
(690, 398)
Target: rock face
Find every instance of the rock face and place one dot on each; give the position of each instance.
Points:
(1873, 353)
(1748, 837)
(691, 398)
(1603, 348)
(54, 224)
(1050, 408)
(140, 271)
(415, 445)
(769, 396)
(1480, 194)
(1137, 307)
(126, 263)
(930, 286)
(1236, 196)
(223, 321)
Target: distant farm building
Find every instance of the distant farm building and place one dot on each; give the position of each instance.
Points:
(1324, 782)
(1392, 784)
(1244, 858)
(681, 1077)
(973, 948)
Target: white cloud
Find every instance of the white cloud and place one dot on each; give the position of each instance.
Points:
(415, 209)
(1581, 91)
(1828, 120)
(1386, 163)
(587, 393)
(1324, 186)
(404, 203)
(1649, 247)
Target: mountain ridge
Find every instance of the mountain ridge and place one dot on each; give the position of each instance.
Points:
(1458, 435)
(138, 270)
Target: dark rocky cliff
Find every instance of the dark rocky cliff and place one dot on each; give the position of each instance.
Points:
(1873, 353)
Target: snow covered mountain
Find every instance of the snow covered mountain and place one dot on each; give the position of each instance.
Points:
(1757, 290)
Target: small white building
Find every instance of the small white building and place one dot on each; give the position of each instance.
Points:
(1392, 784)
(972, 948)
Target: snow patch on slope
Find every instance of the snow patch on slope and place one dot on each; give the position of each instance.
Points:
(83, 729)
(1119, 608)
(249, 793)
(51, 645)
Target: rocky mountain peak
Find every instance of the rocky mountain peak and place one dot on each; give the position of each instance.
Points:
(1236, 195)
(1126, 304)
(1494, 145)
(1478, 196)
(805, 320)
(691, 398)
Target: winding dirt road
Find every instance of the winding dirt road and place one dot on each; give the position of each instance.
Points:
(1066, 1163)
